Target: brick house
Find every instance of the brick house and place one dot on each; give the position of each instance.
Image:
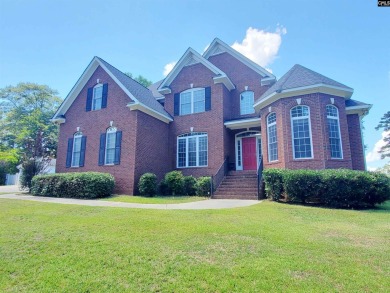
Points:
(213, 112)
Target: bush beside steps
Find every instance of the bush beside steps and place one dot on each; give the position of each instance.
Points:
(84, 185)
(339, 188)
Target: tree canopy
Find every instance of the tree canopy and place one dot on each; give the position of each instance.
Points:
(26, 125)
(385, 125)
(142, 80)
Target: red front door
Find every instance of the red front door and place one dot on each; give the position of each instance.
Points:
(249, 153)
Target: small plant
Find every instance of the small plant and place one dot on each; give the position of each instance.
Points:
(189, 185)
(147, 184)
(30, 168)
(203, 186)
(174, 181)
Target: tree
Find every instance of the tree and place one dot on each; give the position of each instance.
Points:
(140, 79)
(9, 159)
(385, 169)
(26, 126)
(385, 124)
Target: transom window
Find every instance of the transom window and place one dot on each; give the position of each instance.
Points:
(332, 115)
(301, 132)
(246, 103)
(110, 146)
(192, 150)
(76, 152)
(192, 101)
(97, 97)
(272, 138)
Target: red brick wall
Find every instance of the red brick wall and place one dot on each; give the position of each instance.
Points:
(320, 138)
(93, 123)
(355, 138)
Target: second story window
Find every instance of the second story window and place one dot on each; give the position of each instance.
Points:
(192, 101)
(246, 103)
(97, 97)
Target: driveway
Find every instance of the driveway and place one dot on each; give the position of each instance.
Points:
(10, 189)
(209, 204)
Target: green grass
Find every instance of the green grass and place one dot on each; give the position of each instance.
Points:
(268, 247)
(156, 200)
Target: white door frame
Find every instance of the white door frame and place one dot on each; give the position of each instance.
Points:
(238, 146)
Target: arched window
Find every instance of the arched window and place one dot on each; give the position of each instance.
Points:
(97, 97)
(192, 150)
(76, 152)
(272, 138)
(246, 103)
(332, 116)
(110, 146)
(301, 132)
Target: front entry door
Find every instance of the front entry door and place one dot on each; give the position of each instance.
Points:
(249, 153)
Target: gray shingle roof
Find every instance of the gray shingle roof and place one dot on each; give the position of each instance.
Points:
(300, 76)
(153, 88)
(354, 103)
(140, 92)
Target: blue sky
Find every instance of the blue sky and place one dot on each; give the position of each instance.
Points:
(51, 42)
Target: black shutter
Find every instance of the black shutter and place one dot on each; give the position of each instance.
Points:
(69, 153)
(177, 105)
(102, 148)
(82, 150)
(88, 106)
(118, 142)
(104, 97)
(207, 92)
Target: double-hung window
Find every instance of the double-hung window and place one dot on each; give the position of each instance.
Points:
(110, 146)
(301, 132)
(76, 152)
(332, 116)
(246, 103)
(192, 150)
(272, 138)
(192, 101)
(97, 97)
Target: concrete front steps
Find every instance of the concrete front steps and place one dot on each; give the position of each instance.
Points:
(238, 185)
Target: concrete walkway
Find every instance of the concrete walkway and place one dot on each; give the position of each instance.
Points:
(209, 204)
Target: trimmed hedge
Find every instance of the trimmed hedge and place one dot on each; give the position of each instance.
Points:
(73, 185)
(203, 185)
(174, 182)
(189, 185)
(333, 188)
(147, 184)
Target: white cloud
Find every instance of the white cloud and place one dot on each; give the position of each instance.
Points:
(371, 168)
(168, 67)
(374, 154)
(261, 46)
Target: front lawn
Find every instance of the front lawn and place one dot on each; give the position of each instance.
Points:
(267, 247)
(156, 200)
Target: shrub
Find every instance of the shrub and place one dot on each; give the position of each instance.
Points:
(30, 168)
(189, 185)
(163, 188)
(73, 185)
(273, 179)
(174, 181)
(147, 184)
(203, 185)
(333, 188)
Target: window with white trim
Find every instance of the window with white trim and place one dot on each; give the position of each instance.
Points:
(97, 97)
(76, 151)
(272, 138)
(246, 103)
(192, 150)
(301, 132)
(110, 146)
(332, 116)
(192, 101)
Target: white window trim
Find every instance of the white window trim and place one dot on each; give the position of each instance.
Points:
(253, 96)
(238, 139)
(76, 135)
(109, 130)
(268, 140)
(93, 97)
(197, 150)
(292, 132)
(192, 100)
(338, 124)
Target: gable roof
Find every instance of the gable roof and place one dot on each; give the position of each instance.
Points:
(217, 47)
(300, 80)
(142, 97)
(154, 89)
(191, 57)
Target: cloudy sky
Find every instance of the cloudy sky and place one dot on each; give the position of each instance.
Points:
(51, 42)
